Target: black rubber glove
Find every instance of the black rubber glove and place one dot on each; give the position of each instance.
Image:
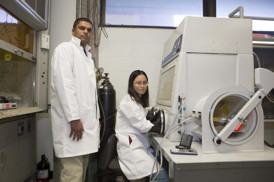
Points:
(151, 113)
(157, 121)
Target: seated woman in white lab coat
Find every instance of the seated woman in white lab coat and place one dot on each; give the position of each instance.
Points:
(135, 153)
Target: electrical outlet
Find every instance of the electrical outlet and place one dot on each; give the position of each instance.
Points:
(45, 41)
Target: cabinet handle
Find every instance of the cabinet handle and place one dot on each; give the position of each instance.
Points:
(2, 158)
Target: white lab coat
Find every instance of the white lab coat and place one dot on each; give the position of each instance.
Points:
(73, 96)
(134, 156)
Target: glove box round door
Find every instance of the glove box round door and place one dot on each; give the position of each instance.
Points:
(216, 111)
(224, 109)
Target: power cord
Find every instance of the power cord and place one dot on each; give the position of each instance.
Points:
(158, 151)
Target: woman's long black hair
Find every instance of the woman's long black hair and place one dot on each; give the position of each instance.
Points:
(144, 100)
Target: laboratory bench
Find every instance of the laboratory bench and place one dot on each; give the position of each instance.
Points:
(9, 113)
(216, 167)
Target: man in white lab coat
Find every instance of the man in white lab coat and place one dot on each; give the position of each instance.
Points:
(74, 106)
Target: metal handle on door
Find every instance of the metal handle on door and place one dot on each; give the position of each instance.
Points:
(2, 158)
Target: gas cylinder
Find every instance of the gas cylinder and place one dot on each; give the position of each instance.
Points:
(107, 103)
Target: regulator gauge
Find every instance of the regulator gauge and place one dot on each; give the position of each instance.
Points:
(101, 70)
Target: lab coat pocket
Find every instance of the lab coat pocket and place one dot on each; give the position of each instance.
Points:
(136, 146)
(123, 149)
(87, 115)
(83, 111)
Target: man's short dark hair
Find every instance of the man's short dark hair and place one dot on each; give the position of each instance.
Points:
(76, 22)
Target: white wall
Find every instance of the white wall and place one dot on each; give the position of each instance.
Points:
(128, 49)
(62, 16)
